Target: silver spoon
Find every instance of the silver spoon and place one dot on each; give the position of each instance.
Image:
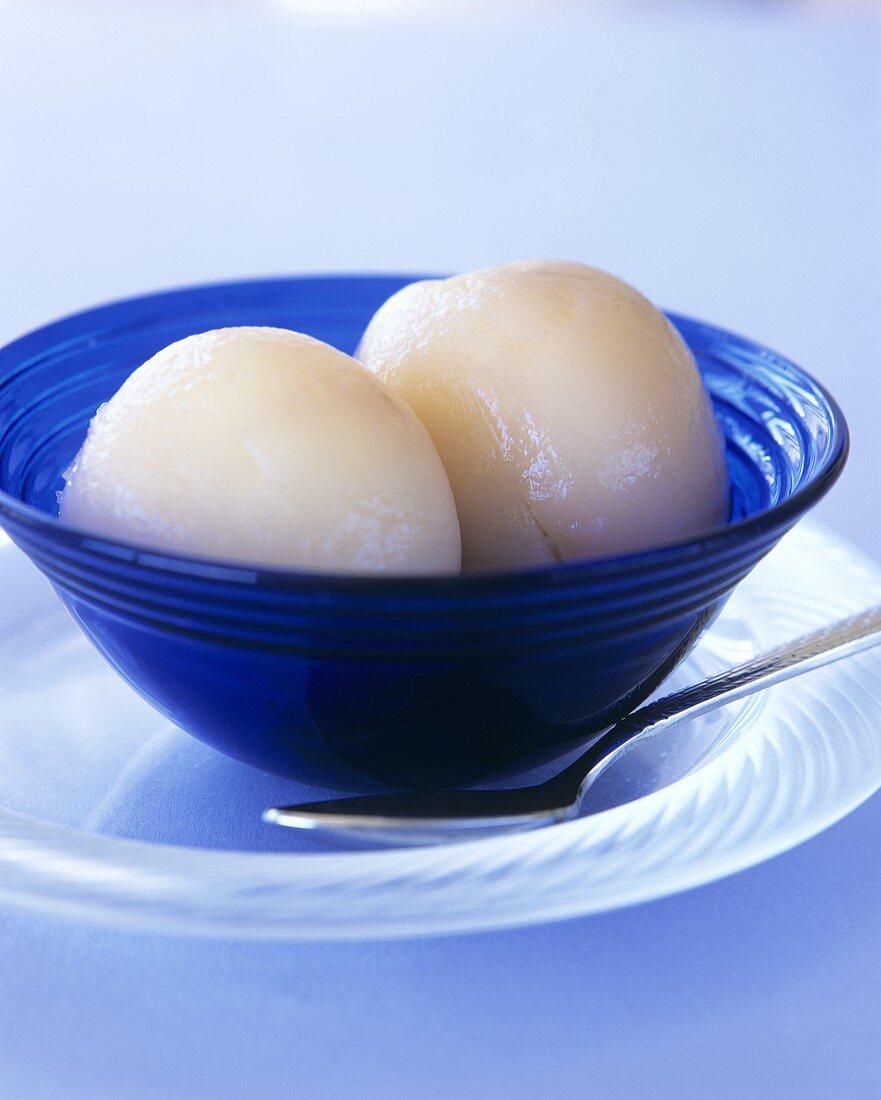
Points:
(424, 817)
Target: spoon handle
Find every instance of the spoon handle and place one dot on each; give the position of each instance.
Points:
(820, 647)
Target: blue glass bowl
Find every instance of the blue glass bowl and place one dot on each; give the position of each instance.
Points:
(416, 682)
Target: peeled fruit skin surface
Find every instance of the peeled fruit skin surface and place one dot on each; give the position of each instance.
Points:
(267, 447)
(569, 413)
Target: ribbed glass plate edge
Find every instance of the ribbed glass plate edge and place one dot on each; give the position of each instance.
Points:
(814, 757)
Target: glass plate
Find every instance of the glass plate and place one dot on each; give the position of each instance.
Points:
(107, 812)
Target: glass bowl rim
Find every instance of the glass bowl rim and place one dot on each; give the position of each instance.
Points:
(158, 562)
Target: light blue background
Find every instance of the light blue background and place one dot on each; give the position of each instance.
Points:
(726, 159)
